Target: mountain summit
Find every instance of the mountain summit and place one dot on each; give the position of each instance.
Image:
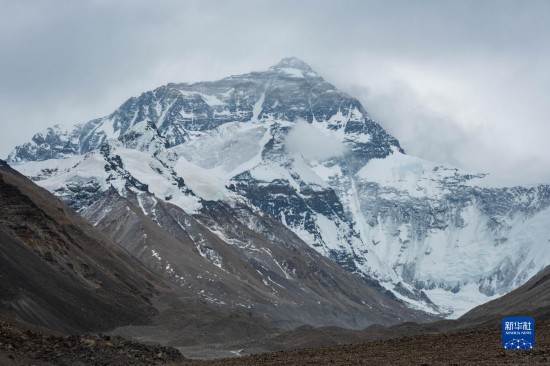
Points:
(287, 144)
(292, 63)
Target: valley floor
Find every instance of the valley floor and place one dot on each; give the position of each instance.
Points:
(474, 347)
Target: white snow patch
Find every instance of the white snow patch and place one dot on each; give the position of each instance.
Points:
(326, 172)
(227, 150)
(292, 72)
(108, 128)
(91, 168)
(329, 231)
(211, 100)
(268, 172)
(300, 167)
(461, 302)
(159, 180)
(201, 181)
(417, 177)
(44, 169)
(257, 109)
(155, 254)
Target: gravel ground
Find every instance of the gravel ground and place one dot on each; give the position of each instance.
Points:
(477, 347)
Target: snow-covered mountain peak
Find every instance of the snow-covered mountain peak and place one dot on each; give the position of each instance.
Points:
(289, 144)
(292, 62)
(291, 67)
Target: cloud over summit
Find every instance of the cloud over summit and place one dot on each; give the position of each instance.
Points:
(312, 143)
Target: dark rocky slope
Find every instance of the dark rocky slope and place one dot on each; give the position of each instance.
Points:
(260, 266)
(58, 272)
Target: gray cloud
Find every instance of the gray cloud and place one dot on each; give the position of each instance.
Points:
(513, 147)
(473, 74)
(312, 143)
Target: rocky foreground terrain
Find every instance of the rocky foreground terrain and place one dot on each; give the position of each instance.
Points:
(26, 347)
(472, 347)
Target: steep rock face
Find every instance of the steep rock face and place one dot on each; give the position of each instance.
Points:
(287, 142)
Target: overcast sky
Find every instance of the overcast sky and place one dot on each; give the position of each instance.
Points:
(465, 83)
